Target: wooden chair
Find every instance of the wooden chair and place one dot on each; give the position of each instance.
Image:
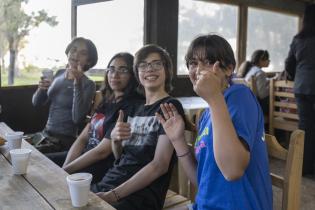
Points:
(290, 182)
(251, 84)
(283, 109)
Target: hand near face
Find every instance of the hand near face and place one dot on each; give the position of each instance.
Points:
(210, 83)
(172, 122)
(76, 71)
(44, 83)
(122, 130)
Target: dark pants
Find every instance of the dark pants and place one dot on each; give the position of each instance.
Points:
(306, 111)
(97, 169)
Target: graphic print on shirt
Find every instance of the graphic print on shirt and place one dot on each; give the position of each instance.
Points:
(200, 140)
(141, 127)
(96, 129)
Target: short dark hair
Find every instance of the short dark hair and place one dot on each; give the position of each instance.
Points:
(216, 48)
(308, 23)
(254, 61)
(143, 53)
(92, 51)
(130, 89)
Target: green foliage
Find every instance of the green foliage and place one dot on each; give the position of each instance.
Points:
(15, 25)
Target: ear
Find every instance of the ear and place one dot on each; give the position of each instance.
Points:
(229, 70)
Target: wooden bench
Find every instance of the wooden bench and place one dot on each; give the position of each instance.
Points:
(174, 200)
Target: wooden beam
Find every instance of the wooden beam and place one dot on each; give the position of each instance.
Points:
(241, 34)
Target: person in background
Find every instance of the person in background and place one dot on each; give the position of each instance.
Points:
(69, 94)
(260, 59)
(144, 156)
(91, 152)
(300, 67)
(232, 168)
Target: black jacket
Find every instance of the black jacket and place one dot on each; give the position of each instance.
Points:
(300, 65)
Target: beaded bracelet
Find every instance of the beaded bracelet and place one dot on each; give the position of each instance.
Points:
(115, 194)
(185, 154)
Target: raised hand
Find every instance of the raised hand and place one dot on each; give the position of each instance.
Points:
(76, 71)
(44, 83)
(122, 130)
(210, 83)
(172, 122)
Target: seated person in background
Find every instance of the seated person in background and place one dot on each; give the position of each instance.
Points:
(70, 95)
(92, 148)
(145, 157)
(230, 164)
(259, 60)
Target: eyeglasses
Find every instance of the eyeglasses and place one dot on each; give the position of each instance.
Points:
(155, 66)
(119, 70)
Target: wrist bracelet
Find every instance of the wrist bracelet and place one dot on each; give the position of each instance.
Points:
(185, 154)
(115, 194)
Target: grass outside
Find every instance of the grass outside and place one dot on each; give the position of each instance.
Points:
(32, 78)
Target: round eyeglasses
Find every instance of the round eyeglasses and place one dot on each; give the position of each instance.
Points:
(155, 66)
(119, 70)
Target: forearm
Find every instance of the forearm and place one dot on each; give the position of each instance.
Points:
(82, 101)
(141, 179)
(186, 159)
(40, 97)
(78, 146)
(116, 148)
(230, 154)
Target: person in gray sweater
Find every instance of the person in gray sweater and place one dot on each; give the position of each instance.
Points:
(69, 94)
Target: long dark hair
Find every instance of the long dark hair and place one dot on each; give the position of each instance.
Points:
(254, 61)
(308, 24)
(107, 91)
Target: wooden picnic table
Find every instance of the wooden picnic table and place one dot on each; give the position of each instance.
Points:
(43, 187)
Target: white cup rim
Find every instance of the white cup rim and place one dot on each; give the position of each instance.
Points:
(20, 151)
(86, 176)
(15, 133)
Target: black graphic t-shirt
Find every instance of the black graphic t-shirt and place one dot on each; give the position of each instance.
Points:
(138, 151)
(105, 117)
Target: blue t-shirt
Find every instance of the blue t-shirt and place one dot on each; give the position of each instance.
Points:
(253, 190)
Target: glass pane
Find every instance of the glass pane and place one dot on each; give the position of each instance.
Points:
(197, 17)
(113, 26)
(44, 47)
(272, 32)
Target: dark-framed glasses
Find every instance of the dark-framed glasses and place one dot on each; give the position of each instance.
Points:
(155, 66)
(119, 70)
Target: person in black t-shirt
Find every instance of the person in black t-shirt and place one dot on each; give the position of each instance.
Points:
(144, 156)
(91, 152)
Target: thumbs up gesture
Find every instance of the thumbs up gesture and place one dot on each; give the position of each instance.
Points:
(122, 130)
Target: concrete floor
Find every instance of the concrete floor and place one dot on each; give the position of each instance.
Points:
(307, 189)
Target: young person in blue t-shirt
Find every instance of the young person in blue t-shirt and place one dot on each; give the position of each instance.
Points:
(230, 166)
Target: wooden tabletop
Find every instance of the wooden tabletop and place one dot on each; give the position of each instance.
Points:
(43, 187)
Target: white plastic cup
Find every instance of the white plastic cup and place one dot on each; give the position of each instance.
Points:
(79, 187)
(14, 139)
(48, 74)
(20, 159)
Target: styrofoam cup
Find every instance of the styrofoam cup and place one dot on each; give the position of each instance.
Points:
(20, 159)
(14, 139)
(79, 187)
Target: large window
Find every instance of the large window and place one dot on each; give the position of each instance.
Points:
(114, 26)
(197, 17)
(273, 32)
(44, 46)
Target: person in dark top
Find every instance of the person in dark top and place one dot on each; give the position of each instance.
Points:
(144, 156)
(300, 67)
(91, 151)
(69, 94)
